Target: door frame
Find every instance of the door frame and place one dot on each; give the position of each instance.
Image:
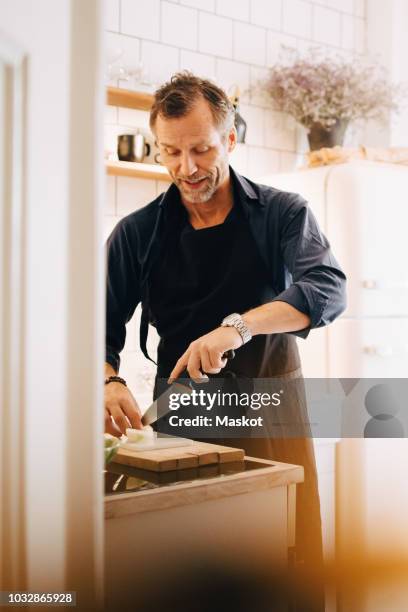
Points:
(13, 98)
(65, 554)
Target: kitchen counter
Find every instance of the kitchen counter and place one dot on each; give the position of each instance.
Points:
(157, 491)
(237, 517)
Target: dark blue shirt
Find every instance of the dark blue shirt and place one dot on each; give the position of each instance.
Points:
(300, 265)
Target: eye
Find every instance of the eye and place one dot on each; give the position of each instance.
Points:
(170, 151)
(202, 149)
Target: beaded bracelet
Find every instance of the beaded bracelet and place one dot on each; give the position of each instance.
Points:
(115, 379)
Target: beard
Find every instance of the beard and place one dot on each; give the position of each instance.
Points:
(206, 185)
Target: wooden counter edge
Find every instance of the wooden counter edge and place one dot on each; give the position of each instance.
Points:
(278, 474)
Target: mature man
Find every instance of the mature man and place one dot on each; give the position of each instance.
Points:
(218, 263)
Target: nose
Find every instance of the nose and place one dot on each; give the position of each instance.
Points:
(187, 164)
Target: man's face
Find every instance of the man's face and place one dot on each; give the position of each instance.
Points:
(195, 152)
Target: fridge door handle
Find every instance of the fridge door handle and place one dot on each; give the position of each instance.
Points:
(372, 283)
(379, 351)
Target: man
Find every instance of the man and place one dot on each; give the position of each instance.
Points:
(219, 263)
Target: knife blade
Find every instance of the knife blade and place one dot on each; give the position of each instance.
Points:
(181, 385)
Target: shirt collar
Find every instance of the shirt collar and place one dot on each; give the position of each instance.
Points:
(244, 186)
(244, 189)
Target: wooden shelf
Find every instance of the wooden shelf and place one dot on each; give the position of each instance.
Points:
(140, 100)
(135, 170)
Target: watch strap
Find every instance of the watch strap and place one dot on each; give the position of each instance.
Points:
(235, 320)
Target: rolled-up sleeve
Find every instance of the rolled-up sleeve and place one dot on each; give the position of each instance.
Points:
(316, 285)
(122, 290)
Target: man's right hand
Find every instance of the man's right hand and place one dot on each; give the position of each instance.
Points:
(121, 410)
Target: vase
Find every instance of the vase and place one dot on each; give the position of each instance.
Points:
(320, 136)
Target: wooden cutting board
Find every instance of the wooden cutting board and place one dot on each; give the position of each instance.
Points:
(166, 459)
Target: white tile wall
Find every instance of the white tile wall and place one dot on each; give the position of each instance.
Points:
(109, 224)
(237, 9)
(326, 26)
(346, 6)
(131, 363)
(132, 117)
(215, 35)
(262, 162)
(133, 193)
(239, 159)
(161, 61)
(303, 45)
(110, 195)
(141, 18)
(267, 13)
(132, 335)
(127, 47)
(302, 144)
(288, 161)
(276, 43)
(254, 117)
(297, 18)
(111, 114)
(112, 15)
(258, 96)
(232, 42)
(231, 73)
(249, 43)
(205, 5)
(179, 25)
(347, 32)
(280, 131)
(111, 137)
(201, 64)
(360, 36)
(162, 186)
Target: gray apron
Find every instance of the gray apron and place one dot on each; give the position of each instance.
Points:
(199, 277)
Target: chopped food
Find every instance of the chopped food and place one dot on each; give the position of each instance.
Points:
(140, 435)
(111, 445)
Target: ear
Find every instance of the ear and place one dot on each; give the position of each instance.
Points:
(232, 139)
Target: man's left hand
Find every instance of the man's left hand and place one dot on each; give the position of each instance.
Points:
(206, 354)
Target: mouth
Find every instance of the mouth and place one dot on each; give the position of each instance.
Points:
(194, 184)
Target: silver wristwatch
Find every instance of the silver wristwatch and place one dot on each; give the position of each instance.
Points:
(235, 320)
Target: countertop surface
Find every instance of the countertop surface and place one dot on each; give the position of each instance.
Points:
(131, 490)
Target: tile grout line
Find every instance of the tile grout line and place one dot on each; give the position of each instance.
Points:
(297, 38)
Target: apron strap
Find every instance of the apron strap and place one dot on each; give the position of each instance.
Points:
(150, 258)
(143, 333)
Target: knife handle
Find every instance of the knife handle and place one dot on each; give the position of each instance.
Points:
(227, 355)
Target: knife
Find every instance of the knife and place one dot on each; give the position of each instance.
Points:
(182, 385)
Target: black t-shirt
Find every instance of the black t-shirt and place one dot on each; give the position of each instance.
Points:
(203, 275)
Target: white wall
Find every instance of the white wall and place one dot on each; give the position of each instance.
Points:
(387, 24)
(233, 43)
